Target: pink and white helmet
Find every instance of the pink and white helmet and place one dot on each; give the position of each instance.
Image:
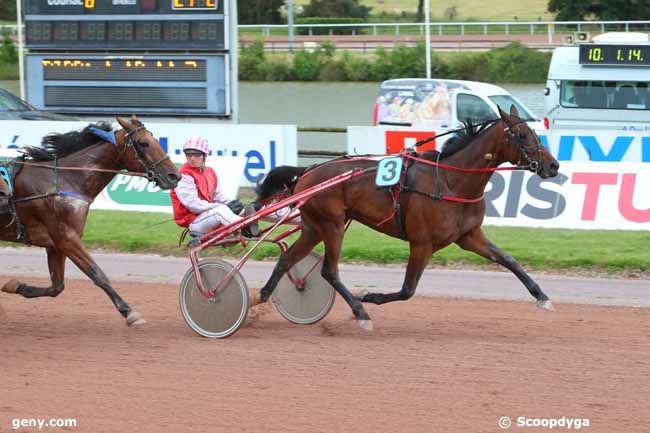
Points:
(197, 143)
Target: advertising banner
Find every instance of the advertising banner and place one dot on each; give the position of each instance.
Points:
(262, 146)
(565, 145)
(585, 195)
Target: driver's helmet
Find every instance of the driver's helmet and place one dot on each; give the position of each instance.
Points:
(197, 143)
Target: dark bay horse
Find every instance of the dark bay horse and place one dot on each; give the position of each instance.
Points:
(57, 183)
(429, 223)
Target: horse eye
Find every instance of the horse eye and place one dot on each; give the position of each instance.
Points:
(144, 144)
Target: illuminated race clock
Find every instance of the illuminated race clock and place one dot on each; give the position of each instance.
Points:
(162, 84)
(161, 57)
(125, 24)
(600, 54)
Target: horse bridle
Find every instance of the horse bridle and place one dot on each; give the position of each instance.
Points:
(518, 139)
(131, 140)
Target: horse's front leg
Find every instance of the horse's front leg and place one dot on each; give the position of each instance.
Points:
(419, 256)
(73, 248)
(56, 265)
(476, 241)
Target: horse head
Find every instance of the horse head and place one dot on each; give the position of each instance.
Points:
(524, 147)
(141, 152)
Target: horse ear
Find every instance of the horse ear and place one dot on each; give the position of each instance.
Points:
(504, 116)
(513, 111)
(124, 123)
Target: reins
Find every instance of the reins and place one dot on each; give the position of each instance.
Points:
(104, 170)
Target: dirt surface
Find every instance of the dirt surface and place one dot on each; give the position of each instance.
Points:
(431, 365)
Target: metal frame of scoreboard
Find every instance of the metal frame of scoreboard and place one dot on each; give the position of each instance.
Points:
(159, 57)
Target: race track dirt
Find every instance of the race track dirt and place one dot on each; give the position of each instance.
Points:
(431, 365)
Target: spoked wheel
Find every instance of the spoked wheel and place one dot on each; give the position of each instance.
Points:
(309, 304)
(221, 315)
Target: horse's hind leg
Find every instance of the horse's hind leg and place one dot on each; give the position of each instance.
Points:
(477, 242)
(56, 265)
(419, 256)
(296, 252)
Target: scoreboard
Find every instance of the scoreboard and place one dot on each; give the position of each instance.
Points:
(601, 54)
(144, 56)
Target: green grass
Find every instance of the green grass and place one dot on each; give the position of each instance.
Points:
(540, 249)
(477, 10)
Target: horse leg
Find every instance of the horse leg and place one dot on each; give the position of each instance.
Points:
(74, 249)
(333, 239)
(476, 241)
(56, 265)
(296, 252)
(419, 256)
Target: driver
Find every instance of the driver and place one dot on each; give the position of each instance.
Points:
(197, 200)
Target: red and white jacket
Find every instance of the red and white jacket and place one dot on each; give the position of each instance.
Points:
(197, 192)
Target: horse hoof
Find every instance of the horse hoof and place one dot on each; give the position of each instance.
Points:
(11, 286)
(366, 325)
(546, 305)
(135, 319)
(255, 298)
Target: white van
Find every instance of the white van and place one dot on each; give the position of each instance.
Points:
(602, 84)
(443, 104)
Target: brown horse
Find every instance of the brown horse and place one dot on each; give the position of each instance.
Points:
(438, 207)
(56, 185)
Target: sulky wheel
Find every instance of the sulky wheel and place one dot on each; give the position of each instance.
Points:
(309, 304)
(222, 315)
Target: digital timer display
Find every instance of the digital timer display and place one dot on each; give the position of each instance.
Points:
(125, 24)
(124, 69)
(142, 56)
(632, 55)
(156, 84)
(111, 7)
(126, 34)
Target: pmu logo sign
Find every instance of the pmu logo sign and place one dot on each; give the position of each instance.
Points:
(584, 195)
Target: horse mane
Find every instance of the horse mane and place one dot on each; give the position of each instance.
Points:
(461, 140)
(59, 145)
(279, 179)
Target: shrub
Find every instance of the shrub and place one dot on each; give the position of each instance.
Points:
(306, 66)
(357, 68)
(8, 53)
(250, 59)
(275, 69)
(517, 63)
(468, 66)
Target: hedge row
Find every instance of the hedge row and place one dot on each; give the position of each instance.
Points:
(514, 63)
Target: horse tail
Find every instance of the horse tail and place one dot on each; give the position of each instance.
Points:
(279, 179)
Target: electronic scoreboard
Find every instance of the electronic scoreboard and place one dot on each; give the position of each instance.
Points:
(143, 56)
(605, 54)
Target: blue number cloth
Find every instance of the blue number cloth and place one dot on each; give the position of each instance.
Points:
(389, 171)
(5, 175)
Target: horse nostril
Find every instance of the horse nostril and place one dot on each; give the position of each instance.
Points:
(174, 177)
